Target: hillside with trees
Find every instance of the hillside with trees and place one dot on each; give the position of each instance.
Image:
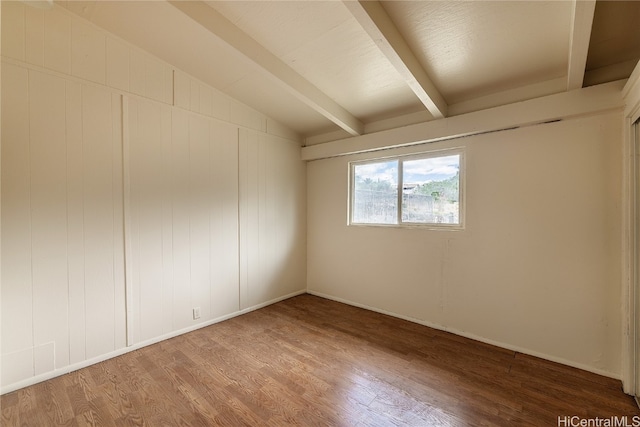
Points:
(445, 190)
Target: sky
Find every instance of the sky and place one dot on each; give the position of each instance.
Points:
(415, 171)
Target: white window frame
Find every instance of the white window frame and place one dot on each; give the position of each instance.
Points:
(401, 159)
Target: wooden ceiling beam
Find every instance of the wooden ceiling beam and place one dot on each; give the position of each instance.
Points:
(280, 72)
(581, 23)
(377, 23)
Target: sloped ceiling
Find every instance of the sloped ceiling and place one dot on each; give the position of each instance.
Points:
(331, 69)
(614, 47)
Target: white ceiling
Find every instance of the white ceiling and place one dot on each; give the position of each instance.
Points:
(347, 68)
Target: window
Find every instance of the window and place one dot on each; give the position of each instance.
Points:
(413, 190)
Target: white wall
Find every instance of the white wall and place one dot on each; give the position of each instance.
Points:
(105, 148)
(537, 267)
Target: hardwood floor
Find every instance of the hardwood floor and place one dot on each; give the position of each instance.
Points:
(312, 362)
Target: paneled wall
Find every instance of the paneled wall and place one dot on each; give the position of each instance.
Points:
(131, 194)
(271, 217)
(183, 203)
(63, 264)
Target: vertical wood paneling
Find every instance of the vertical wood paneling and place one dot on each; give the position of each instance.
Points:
(184, 223)
(148, 198)
(44, 358)
(17, 366)
(167, 222)
(34, 36)
(272, 247)
(193, 221)
(271, 231)
(180, 198)
(16, 214)
(13, 30)
(182, 90)
(249, 193)
(75, 221)
(118, 221)
(294, 210)
(263, 244)
(137, 139)
(206, 101)
(146, 215)
(168, 85)
(88, 52)
(221, 105)
(200, 195)
(225, 297)
(198, 226)
(284, 252)
(57, 41)
(137, 73)
(49, 211)
(243, 218)
(117, 64)
(194, 104)
(98, 220)
(154, 79)
(132, 274)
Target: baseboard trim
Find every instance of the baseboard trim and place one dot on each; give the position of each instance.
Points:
(474, 337)
(119, 352)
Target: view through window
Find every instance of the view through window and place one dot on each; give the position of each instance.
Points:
(407, 190)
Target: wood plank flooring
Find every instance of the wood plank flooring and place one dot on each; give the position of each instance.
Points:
(312, 362)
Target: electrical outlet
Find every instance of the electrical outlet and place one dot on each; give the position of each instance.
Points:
(196, 313)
